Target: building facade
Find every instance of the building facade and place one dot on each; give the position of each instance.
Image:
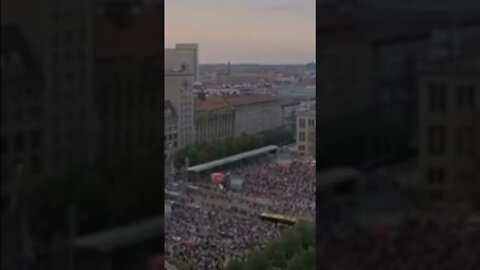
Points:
(171, 127)
(181, 71)
(214, 119)
(306, 134)
(449, 131)
(23, 106)
(60, 34)
(128, 88)
(255, 114)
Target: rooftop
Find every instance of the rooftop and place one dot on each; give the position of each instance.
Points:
(211, 103)
(244, 100)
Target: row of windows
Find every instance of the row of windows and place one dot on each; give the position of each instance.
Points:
(465, 140)
(302, 136)
(302, 122)
(465, 97)
(19, 142)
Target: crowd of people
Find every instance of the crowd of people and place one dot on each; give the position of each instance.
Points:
(207, 236)
(290, 189)
(207, 227)
(412, 245)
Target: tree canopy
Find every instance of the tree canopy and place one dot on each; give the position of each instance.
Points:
(294, 250)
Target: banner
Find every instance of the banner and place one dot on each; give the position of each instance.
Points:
(217, 178)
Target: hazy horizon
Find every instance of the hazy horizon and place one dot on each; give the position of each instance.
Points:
(279, 32)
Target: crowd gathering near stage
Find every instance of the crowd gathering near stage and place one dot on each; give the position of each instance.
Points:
(208, 227)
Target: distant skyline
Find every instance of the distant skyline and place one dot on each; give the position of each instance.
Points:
(246, 31)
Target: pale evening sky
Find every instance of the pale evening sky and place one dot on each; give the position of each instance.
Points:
(244, 31)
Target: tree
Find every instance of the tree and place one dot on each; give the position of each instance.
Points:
(293, 250)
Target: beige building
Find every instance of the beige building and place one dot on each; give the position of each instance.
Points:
(171, 128)
(306, 134)
(181, 70)
(214, 119)
(255, 114)
(449, 131)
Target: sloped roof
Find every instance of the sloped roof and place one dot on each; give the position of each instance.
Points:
(243, 100)
(211, 103)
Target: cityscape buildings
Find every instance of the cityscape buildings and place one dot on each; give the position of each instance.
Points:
(181, 71)
(449, 147)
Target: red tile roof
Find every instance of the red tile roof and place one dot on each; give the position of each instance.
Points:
(210, 103)
(243, 100)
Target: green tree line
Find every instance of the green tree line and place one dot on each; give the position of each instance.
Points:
(294, 250)
(217, 149)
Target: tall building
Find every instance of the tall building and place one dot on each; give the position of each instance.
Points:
(306, 134)
(128, 87)
(23, 113)
(59, 35)
(181, 71)
(170, 128)
(449, 107)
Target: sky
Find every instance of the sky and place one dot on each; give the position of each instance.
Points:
(244, 31)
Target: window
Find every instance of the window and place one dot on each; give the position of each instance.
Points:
(311, 122)
(36, 137)
(55, 60)
(302, 123)
(301, 147)
(471, 139)
(4, 146)
(56, 139)
(35, 114)
(35, 164)
(54, 39)
(436, 175)
(472, 99)
(437, 97)
(302, 136)
(19, 143)
(69, 37)
(19, 117)
(69, 76)
(436, 140)
(466, 141)
(68, 57)
(436, 195)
